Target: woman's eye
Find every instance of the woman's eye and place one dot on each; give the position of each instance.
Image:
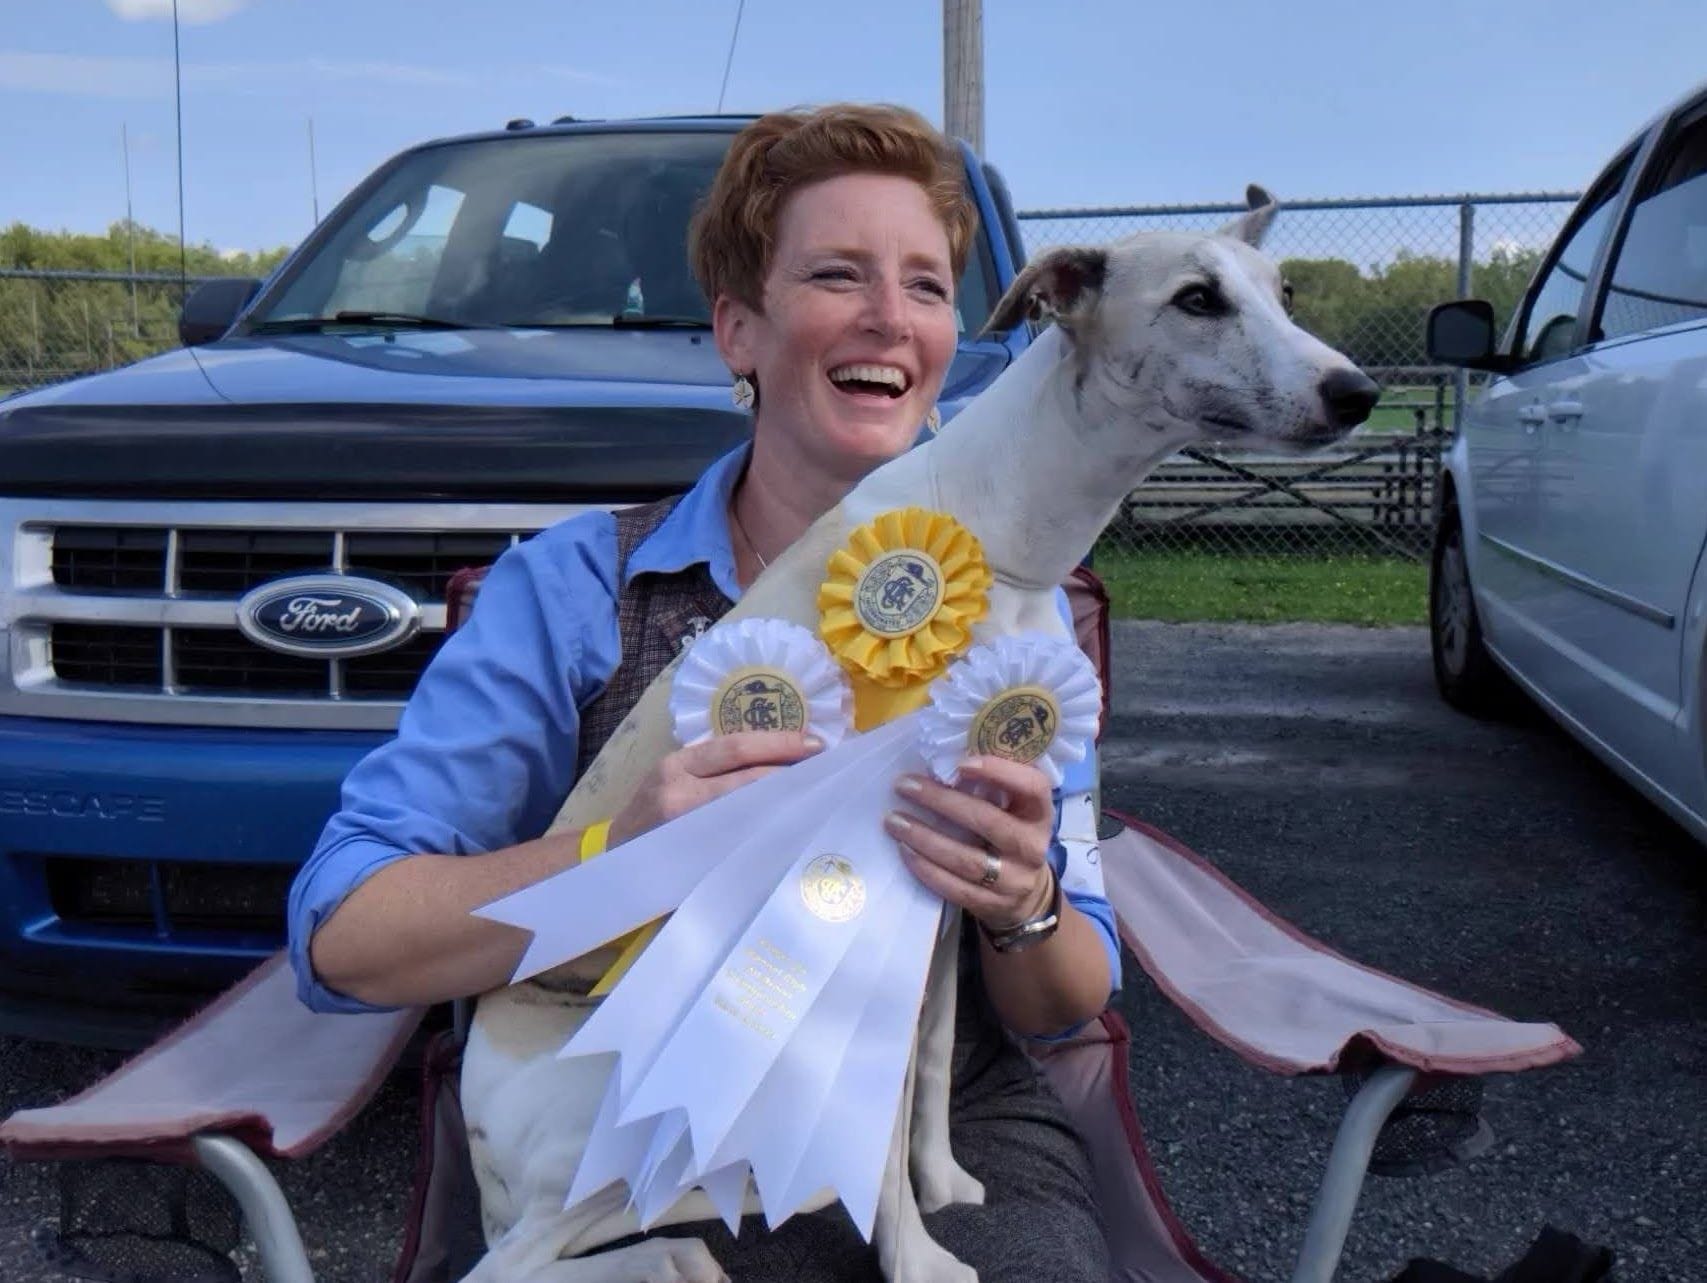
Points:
(932, 287)
(1199, 300)
(833, 274)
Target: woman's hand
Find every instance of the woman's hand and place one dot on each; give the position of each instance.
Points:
(693, 776)
(1010, 841)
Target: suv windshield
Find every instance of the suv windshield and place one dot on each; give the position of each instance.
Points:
(547, 229)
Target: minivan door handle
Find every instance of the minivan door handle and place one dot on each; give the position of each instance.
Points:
(1531, 416)
(1565, 411)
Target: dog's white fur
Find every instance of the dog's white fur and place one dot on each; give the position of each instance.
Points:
(1135, 367)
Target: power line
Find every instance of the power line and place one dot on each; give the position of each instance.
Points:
(178, 93)
(313, 175)
(729, 61)
(130, 232)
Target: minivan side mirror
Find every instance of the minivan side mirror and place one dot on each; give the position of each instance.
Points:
(1461, 333)
(212, 307)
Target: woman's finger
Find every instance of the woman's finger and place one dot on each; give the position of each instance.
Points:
(976, 815)
(729, 781)
(968, 895)
(955, 857)
(723, 753)
(1030, 795)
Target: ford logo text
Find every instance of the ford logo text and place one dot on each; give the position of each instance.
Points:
(328, 616)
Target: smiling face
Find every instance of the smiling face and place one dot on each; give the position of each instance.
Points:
(858, 325)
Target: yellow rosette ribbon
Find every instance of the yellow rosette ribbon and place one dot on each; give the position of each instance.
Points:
(898, 602)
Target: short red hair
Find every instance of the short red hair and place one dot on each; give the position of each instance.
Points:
(733, 234)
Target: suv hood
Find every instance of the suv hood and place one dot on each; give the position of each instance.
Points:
(547, 415)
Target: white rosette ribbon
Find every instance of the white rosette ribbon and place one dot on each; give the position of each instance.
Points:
(760, 674)
(1028, 698)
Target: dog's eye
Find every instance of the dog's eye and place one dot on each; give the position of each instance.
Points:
(1200, 300)
(1286, 297)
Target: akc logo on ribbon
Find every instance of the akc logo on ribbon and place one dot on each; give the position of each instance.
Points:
(832, 889)
(754, 699)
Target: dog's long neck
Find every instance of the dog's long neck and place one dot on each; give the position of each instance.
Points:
(1039, 463)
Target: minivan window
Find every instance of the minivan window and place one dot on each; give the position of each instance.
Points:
(1660, 275)
(1550, 326)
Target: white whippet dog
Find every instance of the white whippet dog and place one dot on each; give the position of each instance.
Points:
(1160, 341)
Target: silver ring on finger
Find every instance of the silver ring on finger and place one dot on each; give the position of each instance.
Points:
(992, 869)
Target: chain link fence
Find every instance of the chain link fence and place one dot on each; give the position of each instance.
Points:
(56, 325)
(1364, 275)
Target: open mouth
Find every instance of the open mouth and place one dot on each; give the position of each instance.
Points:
(885, 382)
(1225, 423)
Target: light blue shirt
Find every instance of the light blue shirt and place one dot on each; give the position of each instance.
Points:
(485, 751)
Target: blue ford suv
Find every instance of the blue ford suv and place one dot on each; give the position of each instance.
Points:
(223, 569)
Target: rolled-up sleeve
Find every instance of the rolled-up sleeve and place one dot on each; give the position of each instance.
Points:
(485, 751)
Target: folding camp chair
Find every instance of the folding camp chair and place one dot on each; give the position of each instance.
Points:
(256, 1076)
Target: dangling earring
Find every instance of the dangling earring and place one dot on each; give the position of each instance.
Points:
(742, 394)
(933, 421)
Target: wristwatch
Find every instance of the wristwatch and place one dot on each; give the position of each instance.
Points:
(1033, 931)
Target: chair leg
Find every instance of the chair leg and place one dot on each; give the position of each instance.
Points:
(1330, 1219)
(265, 1211)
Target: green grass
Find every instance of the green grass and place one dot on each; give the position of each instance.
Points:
(1182, 586)
(1397, 410)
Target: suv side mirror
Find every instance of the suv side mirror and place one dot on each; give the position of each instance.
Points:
(1462, 333)
(212, 307)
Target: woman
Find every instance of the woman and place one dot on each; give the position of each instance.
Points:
(830, 246)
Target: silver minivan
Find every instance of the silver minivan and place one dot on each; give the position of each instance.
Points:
(1573, 503)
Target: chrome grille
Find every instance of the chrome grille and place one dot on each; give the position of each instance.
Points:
(231, 562)
(106, 655)
(109, 558)
(127, 611)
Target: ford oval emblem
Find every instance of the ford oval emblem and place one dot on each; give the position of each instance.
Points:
(328, 616)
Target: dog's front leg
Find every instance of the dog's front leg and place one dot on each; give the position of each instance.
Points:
(937, 1177)
(905, 1251)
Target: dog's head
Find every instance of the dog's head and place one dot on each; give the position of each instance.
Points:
(1191, 335)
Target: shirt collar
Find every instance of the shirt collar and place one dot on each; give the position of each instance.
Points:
(697, 529)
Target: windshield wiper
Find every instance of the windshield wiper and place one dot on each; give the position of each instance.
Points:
(630, 321)
(388, 320)
(621, 321)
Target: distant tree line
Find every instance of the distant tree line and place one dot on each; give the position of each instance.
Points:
(49, 329)
(1376, 316)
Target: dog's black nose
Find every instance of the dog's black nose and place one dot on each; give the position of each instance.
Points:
(1350, 395)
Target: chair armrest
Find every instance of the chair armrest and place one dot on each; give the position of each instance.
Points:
(255, 1064)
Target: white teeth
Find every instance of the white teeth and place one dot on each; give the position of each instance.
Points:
(889, 374)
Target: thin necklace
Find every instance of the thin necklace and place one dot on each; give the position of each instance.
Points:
(735, 517)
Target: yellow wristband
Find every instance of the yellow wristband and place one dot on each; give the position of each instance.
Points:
(594, 838)
(593, 841)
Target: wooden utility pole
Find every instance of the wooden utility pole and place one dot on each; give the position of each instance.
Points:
(963, 71)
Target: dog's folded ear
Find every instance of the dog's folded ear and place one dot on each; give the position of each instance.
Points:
(1063, 284)
(1251, 227)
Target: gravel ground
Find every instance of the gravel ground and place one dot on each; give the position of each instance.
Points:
(1498, 863)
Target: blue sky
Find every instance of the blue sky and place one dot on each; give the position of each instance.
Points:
(1089, 102)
